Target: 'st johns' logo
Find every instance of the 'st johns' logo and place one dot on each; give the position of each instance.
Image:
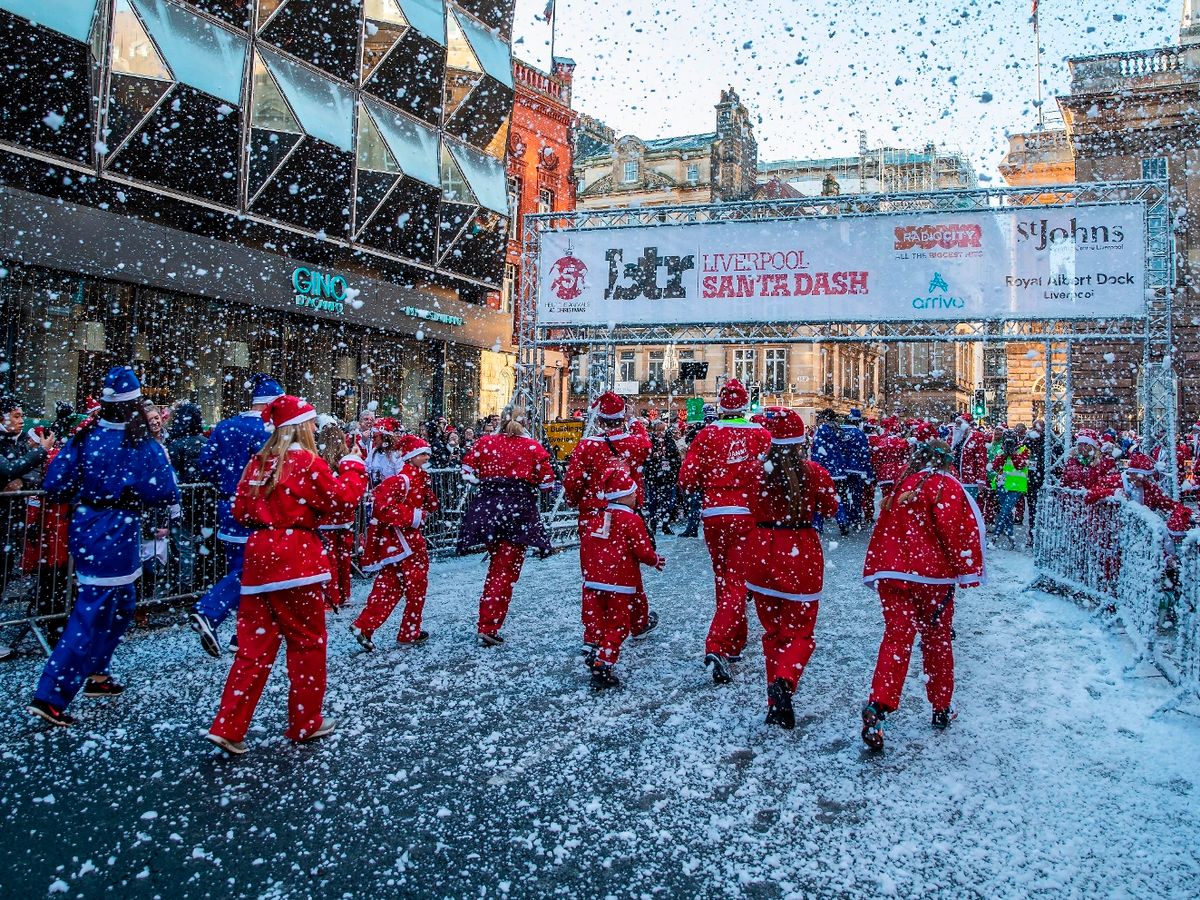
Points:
(569, 273)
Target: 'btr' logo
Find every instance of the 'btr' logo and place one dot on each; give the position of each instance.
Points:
(628, 281)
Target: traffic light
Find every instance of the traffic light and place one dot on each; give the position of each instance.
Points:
(979, 407)
(755, 398)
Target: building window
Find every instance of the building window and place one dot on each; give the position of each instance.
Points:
(628, 366)
(693, 173)
(577, 374)
(1155, 168)
(919, 360)
(514, 208)
(631, 171)
(775, 374)
(826, 372)
(508, 287)
(545, 200)
(743, 365)
(654, 373)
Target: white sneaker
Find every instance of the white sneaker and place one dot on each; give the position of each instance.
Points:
(328, 727)
(233, 748)
(6, 651)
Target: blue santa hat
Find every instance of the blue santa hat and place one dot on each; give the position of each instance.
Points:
(121, 384)
(264, 389)
(855, 415)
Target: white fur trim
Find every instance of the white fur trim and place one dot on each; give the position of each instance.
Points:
(405, 553)
(728, 424)
(608, 437)
(306, 416)
(285, 585)
(357, 460)
(109, 580)
(264, 398)
(782, 595)
(418, 517)
(108, 397)
(412, 454)
(908, 576)
(617, 495)
(232, 538)
(345, 527)
(1087, 440)
(783, 442)
(613, 588)
(112, 426)
(725, 511)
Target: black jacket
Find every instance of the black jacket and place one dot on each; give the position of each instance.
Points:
(20, 459)
(185, 440)
(662, 467)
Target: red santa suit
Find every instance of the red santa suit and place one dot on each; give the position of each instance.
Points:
(786, 572)
(613, 545)
(889, 457)
(1086, 477)
(724, 462)
(285, 568)
(928, 541)
(591, 459)
(396, 548)
(337, 533)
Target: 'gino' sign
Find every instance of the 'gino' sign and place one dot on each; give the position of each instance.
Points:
(319, 290)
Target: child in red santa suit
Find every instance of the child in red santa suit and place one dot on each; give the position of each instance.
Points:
(396, 549)
(929, 540)
(613, 544)
(284, 490)
(786, 572)
(337, 528)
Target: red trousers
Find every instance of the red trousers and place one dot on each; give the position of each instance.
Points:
(339, 544)
(787, 636)
(909, 608)
(728, 540)
(639, 614)
(611, 622)
(503, 571)
(407, 579)
(297, 617)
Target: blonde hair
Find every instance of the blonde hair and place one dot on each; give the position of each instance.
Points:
(331, 444)
(513, 423)
(269, 460)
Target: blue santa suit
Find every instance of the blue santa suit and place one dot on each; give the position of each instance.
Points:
(222, 462)
(856, 458)
(110, 482)
(827, 451)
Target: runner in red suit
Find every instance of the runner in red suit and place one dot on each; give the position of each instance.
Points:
(724, 462)
(396, 549)
(786, 572)
(283, 491)
(889, 456)
(337, 528)
(928, 541)
(1086, 466)
(613, 545)
(613, 444)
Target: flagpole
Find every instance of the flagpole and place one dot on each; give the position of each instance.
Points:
(1037, 49)
(553, 26)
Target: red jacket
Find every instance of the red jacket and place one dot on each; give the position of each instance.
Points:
(613, 545)
(725, 462)
(971, 459)
(1077, 475)
(284, 550)
(889, 457)
(593, 456)
(509, 456)
(934, 538)
(400, 506)
(788, 563)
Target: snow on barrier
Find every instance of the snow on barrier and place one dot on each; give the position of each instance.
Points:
(1120, 555)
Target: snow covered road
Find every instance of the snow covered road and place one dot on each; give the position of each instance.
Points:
(469, 772)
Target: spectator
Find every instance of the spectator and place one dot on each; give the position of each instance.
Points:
(468, 438)
(21, 459)
(1012, 481)
(454, 449)
(1035, 443)
(154, 420)
(662, 470)
(185, 440)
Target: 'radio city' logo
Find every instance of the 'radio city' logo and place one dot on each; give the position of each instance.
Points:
(319, 290)
(629, 281)
(931, 237)
(1093, 237)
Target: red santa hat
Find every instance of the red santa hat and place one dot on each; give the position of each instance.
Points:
(609, 406)
(785, 425)
(890, 423)
(1087, 436)
(1140, 464)
(966, 417)
(617, 483)
(733, 397)
(384, 425)
(925, 431)
(410, 446)
(288, 410)
(1180, 521)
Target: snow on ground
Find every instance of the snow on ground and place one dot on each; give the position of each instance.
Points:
(463, 772)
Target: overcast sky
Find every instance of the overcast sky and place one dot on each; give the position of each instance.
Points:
(814, 72)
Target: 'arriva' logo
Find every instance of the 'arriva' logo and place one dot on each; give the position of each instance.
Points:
(939, 296)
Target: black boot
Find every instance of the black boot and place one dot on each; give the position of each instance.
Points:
(666, 529)
(873, 716)
(779, 705)
(720, 673)
(603, 677)
(943, 717)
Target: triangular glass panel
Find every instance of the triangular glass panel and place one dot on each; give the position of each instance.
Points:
(372, 188)
(130, 98)
(454, 185)
(385, 11)
(459, 54)
(267, 150)
(378, 39)
(133, 52)
(453, 218)
(266, 8)
(373, 153)
(268, 108)
(459, 85)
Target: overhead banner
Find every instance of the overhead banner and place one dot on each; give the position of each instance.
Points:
(1036, 262)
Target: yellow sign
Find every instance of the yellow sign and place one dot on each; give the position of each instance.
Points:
(563, 436)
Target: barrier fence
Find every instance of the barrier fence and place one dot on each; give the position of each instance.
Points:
(181, 556)
(1120, 555)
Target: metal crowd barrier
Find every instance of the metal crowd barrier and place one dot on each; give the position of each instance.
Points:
(1120, 555)
(181, 556)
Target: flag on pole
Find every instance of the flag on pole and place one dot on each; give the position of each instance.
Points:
(548, 15)
(1035, 12)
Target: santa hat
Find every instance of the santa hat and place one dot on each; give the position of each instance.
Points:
(121, 384)
(925, 431)
(609, 406)
(1087, 436)
(966, 417)
(785, 425)
(410, 446)
(617, 483)
(855, 415)
(384, 425)
(264, 389)
(288, 410)
(1180, 521)
(324, 419)
(1140, 464)
(1196, 426)
(733, 397)
(890, 423)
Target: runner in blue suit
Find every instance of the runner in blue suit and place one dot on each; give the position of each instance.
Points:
(827, 451)
(110, 470)
(856, 457)
(221, 462)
